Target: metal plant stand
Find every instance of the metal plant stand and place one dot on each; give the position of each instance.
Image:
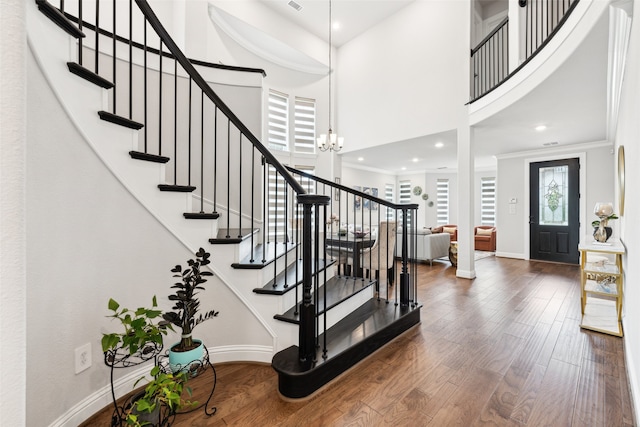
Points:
(121, 358)
(194, 369)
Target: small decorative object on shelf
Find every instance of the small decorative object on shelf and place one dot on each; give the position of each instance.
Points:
(185, 316)
(604, 211)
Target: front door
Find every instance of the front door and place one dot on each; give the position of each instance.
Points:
(554, 217)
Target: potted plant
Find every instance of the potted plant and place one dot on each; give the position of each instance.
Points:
(188, 353)
(140, 340)
(161, 398)
(142, 332)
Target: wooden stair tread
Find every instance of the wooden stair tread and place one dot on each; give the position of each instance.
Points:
(59, 19)
(89, 75)
(339, 289)
(121, 121)
(353, 338)
(286, 280)
(232, 235)
(264, 255)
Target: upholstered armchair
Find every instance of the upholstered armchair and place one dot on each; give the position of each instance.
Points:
(485, 238)
(452, 230)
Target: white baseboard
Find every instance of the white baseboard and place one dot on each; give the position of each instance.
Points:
(634, 386)
(510, 255)
(100, 399)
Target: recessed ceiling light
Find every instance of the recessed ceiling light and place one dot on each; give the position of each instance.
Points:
(540, 128)
(360, 159)
(403, 168)
(439, 145)
(414, 160)
(336, 25)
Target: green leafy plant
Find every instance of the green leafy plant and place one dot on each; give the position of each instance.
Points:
(165, 389)
(185, 314)
(596, 223)
(142, 326)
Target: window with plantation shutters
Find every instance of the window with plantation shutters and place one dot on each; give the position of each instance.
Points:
(304, 124)
(389, 190)
(307, 183)
(278, 132)
(442, 201)
(405, 198)
(488, 201)
(277, 205)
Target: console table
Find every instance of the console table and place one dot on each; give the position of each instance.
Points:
(601, 283)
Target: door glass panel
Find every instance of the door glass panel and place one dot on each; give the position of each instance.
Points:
(554, 196)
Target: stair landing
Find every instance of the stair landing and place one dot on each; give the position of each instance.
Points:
(355, 337)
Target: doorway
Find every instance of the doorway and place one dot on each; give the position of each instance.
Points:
(554, 210)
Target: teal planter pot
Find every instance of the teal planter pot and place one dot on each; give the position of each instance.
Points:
(186, 361)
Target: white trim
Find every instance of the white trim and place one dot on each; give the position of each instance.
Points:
(466, 274)
(543, 152)
(510, 255)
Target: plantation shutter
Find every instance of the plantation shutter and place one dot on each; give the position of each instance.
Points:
(278, 133)
(442, 200)
(305, 125)
(488, 201)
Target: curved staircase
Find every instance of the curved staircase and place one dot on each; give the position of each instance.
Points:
(183, 154)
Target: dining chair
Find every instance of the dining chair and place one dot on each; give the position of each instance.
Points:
(379, 257)
(342, 257)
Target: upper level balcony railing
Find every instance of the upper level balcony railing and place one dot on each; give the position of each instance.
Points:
(490, 58)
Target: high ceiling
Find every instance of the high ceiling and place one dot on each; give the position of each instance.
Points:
(353, 16)
(571, 103)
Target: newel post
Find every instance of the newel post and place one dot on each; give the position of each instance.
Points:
(404, 274)
(307, 331)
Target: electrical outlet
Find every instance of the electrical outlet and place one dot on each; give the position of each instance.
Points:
(83, 357)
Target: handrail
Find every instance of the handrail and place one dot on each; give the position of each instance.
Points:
(155, 51)
(206, 89)
(491, 34)
(403, 206)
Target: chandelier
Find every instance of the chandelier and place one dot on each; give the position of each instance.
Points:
(330, 141)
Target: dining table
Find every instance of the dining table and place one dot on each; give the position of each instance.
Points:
(352, 244)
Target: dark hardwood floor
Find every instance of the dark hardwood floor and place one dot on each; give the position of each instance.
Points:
(504, 349)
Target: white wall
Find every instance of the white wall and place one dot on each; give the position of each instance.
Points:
(599, 173)
(628, 135)
(405, 77)
(88, 239)
(13, 243)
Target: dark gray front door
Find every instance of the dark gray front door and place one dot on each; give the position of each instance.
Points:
(554, 218)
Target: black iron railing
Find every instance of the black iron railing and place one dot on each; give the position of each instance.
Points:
(542, 19)
(490, 59)
(209, 151)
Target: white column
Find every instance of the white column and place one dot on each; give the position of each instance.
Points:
(466, 202)
(514, 34)
(13, 323)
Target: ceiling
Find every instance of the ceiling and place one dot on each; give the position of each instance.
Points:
(571, 103)
(353, 16)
